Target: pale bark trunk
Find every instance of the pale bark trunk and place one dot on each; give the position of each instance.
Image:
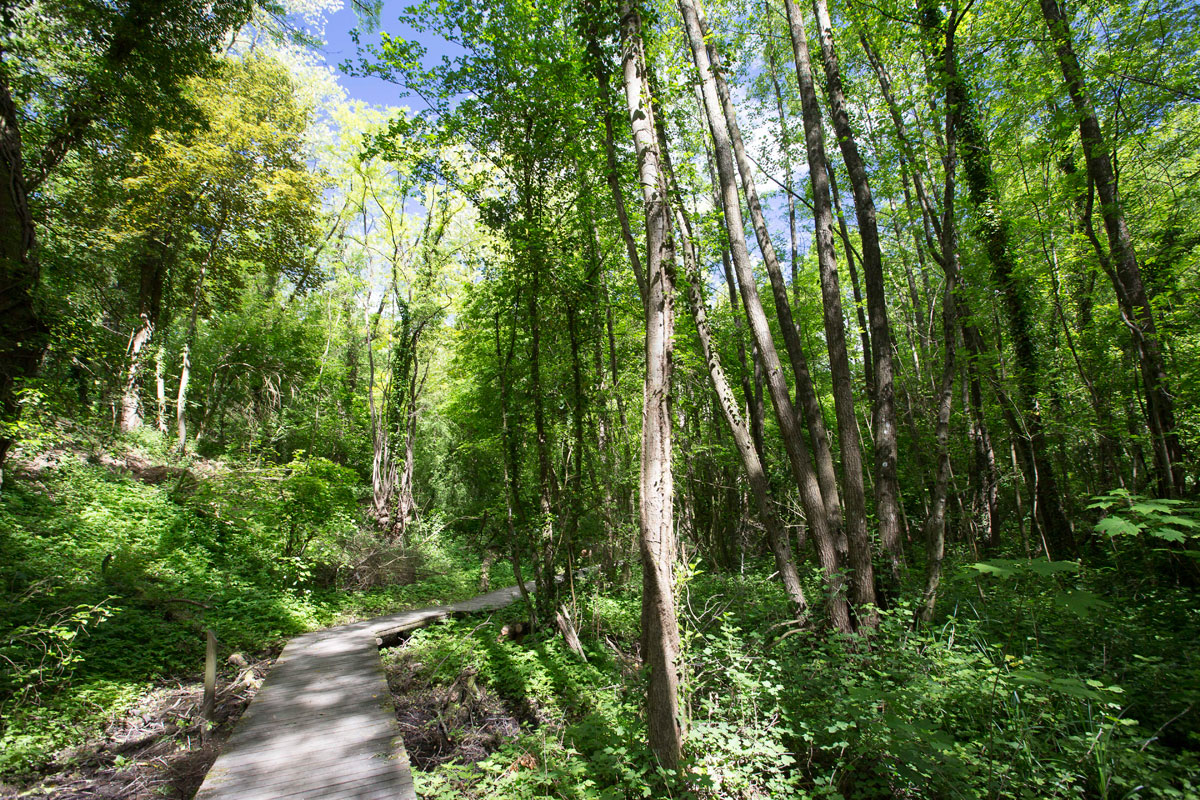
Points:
(160, 392)
(131, 401)
(660, 631)
(185, 368)
(752, 373)
(798, 453)
(150, 286)
(612, 171)
(887, 485)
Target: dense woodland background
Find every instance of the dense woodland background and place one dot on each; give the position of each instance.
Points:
(856, 346)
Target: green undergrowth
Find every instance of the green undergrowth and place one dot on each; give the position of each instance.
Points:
(1019, 690)
(107, 584)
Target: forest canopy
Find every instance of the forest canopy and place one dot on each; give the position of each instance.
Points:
(851, 349)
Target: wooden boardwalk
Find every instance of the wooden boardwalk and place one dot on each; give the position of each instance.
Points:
(322, 727)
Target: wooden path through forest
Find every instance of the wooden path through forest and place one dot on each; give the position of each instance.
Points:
(322, 726)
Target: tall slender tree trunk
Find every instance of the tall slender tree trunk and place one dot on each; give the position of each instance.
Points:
(748, 449)
(985, 456)
(887, 481)
(819, 518)
(752, 373)
(1127, 275)
(544, 561)
(514, 510)
(863, 577)
(185, 366)
(809, 407)
(785, 144)
(860, 313)
(935, 523)
(660, 628)
(612, 173)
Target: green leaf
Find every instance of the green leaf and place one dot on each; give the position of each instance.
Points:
(992, 568)
(1168, 534)
(1080, 602)
(1116, 526)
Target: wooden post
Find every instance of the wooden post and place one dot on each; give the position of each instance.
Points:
(210, 679)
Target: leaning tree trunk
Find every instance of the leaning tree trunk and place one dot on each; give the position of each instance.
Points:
(1127, 275)
(808, 404)
(748, 448)
(660, 629)
(793, 439)
(863, 578)
(887, 481)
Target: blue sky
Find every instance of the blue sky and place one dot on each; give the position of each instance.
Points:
(340, 48)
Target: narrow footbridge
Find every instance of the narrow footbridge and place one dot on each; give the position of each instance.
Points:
(322, 726)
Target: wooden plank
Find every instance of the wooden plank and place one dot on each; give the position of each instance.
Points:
(322, 727)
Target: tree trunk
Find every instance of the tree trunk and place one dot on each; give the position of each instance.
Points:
(150, 287)
(887, 485)
(660, 631)
(752, 373)
(160, 392)
(860, 313)
(612, 173)
(131, 401)
(743, 438)
(185, 367)
(863, 576)
(1127, 275)
(805, 476)
(544, 558)
(935, 523)
(513, 508)
(809, 406)
(993, 229)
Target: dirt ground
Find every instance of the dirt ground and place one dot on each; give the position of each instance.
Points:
(462, 722)
(160, 748)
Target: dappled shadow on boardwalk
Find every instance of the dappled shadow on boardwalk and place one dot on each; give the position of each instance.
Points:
(322, 726)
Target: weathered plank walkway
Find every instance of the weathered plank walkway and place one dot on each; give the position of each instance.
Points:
(322, 727)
